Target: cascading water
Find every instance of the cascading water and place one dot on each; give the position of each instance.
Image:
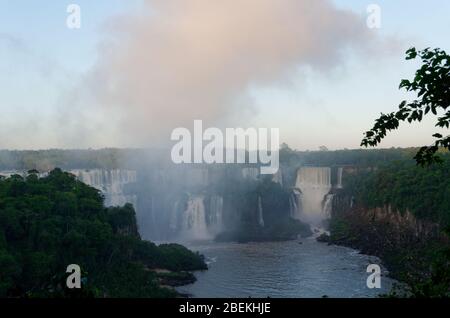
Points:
(216, 214)
(194, 225)
(173, 225)
(260, 213)
(111, 183)
(198, 221)
(328, 205)
(295, 204)
(339, 178)
(314, 184)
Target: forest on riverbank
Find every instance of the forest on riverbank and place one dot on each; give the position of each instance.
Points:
(50, 222)
(400, 212)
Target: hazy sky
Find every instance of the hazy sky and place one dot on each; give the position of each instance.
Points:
(137, 69)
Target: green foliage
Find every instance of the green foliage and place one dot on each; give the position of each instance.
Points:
(340, 230)
(124, 280)
(177, 257)
(48, 223)
(278, 225)
(176, 278)
(405, 186)
(354, 157)
(424, 192)
(432, 86)
(424, 265)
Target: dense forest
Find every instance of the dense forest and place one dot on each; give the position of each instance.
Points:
(416, 251)
(48, 223)
(424, 191)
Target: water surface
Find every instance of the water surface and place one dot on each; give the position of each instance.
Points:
(283, 269)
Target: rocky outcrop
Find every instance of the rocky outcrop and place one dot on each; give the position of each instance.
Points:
(400, 225)
(400, 239)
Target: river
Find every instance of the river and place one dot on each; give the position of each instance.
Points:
(283, 269)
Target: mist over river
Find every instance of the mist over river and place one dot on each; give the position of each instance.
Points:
(192, 206)
(283, 269)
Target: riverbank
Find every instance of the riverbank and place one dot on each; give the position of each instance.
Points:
(411, 250)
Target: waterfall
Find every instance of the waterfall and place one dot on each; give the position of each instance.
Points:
(260, 213)
(216, 214)
(295, 204)
(328, 205)
(250, 173)
(198, 221)
(173, 221)
(194, 220)
(111, 183)
(315, 184)
(339, 178)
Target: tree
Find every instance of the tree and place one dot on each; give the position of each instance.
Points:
(49, 222)
(432, 85)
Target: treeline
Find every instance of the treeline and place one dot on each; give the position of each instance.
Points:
(45, 160)
(48, 223)
(353, 157)
(424, 191)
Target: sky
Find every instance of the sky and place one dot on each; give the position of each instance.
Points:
(137, 69)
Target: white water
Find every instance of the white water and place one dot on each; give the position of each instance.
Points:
(295, 204)
(111, 183)
(174, 217)
(339, 178)
(194, 220)
(216, 214)
(198, 221)
(328, 205)
(314, 184)
(260, 213)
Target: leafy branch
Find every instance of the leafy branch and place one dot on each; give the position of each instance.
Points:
(432, 85)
